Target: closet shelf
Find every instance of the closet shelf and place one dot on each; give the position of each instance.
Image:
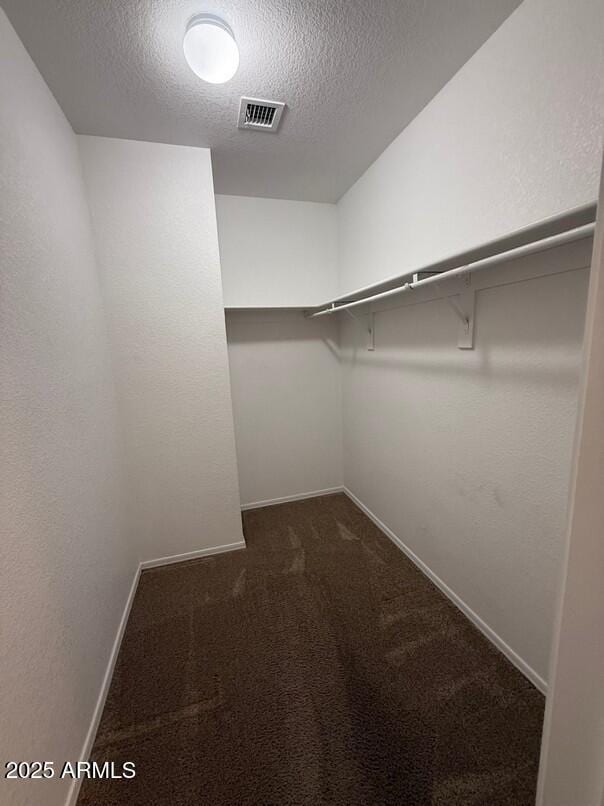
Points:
(571, 225)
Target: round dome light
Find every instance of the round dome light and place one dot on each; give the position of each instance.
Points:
(210, 49)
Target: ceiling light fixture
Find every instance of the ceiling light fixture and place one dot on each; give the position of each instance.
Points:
(210, 49)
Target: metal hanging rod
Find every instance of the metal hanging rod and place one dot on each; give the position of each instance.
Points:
(572, 225)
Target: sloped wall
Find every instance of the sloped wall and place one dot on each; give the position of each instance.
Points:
(515, 136)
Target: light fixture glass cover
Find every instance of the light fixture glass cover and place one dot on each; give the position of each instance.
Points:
(210, 49)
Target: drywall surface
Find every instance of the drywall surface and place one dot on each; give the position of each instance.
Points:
(572, 768)
(154, 219)
(275, 252)
(65, 565)
(285, 373)
(285, 377)
(465, 454)
(515, 136)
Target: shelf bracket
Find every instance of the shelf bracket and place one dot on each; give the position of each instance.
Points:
(370, 326)
(464, 306)
(371, 331)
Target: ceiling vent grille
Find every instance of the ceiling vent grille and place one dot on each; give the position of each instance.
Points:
(254, 113)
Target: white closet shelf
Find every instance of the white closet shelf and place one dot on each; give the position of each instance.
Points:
(547, 233)
(565, 227)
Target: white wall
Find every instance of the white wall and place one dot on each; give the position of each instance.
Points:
(66, 566)
(515, 136)
(154, 220)
(276, 252)
(285, 374)
(572, 768)
(465, 455)
(285, 377)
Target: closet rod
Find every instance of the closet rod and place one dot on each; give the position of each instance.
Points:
(576, 234)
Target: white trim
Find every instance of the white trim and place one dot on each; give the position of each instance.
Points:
(192, 555)
(487, 631)
(287, 498)
(74, 789)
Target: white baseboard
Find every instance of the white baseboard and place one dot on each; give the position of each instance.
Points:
(512, 656)
(192, 555)
(287, 498)
(74, 788)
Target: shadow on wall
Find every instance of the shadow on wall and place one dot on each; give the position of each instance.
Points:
(256, 327)
(514, 336)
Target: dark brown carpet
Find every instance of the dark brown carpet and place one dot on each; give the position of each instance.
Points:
(318, 666)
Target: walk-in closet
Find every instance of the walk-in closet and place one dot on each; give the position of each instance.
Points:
(302, 372)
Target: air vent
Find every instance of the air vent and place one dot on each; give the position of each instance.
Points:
(264, 116)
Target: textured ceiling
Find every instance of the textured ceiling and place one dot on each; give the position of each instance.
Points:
(352, 72)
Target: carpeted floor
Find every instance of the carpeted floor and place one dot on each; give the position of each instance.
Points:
(318, 666)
